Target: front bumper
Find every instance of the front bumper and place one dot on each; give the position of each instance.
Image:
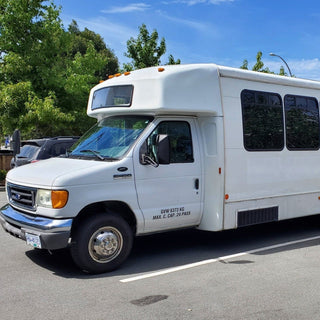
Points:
(53, 233)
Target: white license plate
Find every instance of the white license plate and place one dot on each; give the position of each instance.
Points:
(33, 240)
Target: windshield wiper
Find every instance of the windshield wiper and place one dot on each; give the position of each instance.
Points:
(96, 153)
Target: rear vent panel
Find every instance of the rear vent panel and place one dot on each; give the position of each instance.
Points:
(257, 216)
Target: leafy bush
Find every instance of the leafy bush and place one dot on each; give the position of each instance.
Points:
(3, 174)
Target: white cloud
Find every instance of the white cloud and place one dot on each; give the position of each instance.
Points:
(186, 22)
(304, 68)
(129, 8)
(115, 35)
(195, 2)
(205, 28)
(219, 1)
(307, 69)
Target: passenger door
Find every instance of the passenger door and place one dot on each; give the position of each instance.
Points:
(170, 195)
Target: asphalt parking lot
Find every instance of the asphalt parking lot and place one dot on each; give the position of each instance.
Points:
(263, 272)
(3, 198)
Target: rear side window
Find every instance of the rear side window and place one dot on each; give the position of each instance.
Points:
(302, 122)
(262, 119)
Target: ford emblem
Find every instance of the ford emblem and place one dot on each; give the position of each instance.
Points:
(17, 196)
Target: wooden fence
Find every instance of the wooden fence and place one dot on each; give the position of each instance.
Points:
(5, 159)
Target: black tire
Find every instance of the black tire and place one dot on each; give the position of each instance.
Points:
(101, 243)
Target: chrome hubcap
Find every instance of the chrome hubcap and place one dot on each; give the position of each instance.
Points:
(105, 244)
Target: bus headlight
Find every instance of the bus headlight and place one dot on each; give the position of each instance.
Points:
(56, 199)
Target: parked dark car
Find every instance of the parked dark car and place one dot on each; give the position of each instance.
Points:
(40, 149)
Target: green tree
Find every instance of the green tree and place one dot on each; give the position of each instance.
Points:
(259, 66)
(32, 35)
(44, 118)
(244, 65)
(81, 75)
(173, 61)
(12, 104)
(46, 70)
(145, 51)
(80, 42)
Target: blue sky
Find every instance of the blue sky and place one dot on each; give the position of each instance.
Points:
(211, 31)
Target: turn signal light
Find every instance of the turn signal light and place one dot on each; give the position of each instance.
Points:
(59, 198)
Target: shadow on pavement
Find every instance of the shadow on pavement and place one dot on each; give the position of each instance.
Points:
(171, 249)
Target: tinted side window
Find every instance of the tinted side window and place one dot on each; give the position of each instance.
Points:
(302, 122)
(262, 118)
(181, 150)
(60, 148)
(28, 151)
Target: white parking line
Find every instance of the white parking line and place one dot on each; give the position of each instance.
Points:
(200, 263)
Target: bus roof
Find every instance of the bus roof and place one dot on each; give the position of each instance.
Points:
(191, 89)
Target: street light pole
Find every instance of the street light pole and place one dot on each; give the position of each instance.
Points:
(275, 55)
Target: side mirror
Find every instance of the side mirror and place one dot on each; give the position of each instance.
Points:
(16, 142)
(143, 153)
(162, 146)
(145, 158)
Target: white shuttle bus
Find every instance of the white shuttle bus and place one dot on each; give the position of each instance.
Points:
(200, 146)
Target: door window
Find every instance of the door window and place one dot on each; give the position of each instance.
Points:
(179, 133)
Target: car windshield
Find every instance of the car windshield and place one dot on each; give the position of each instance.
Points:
(110, 138)
(28, 151)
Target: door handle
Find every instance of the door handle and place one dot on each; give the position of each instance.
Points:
(196, 184)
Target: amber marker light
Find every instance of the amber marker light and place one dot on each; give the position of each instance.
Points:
(111, 76)
(226, 196)
(127, 73)
(117, 75)
(59, 198)
(160, 69)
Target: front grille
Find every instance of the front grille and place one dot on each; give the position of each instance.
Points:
(23, 197)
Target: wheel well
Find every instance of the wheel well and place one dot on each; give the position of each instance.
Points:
(117, 207)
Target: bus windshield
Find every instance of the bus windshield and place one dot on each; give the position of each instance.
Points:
(110, 138)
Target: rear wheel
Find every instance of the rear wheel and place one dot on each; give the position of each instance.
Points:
(101, 243)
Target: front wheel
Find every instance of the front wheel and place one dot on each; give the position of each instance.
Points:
(101, 243)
